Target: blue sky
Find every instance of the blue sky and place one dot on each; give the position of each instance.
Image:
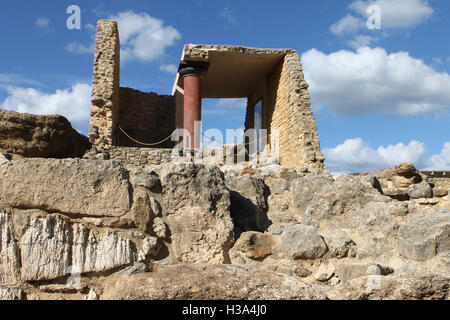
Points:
(379, 96)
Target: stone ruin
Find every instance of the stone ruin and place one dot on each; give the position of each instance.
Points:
(125, 122)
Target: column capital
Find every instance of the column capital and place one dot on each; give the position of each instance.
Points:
(193, 68)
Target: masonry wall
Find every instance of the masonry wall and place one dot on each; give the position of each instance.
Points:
(287, 108)
(440, 179)
(145, 117)
(105, 85)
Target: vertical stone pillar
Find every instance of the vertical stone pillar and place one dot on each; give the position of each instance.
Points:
(192, 73)
(105, 85)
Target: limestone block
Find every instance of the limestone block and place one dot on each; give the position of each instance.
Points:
(71, 186)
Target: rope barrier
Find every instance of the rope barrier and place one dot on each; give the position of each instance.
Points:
(146, 144)
(245, 144)
(157, 143)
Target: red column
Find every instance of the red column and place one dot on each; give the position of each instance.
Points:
(192, 109)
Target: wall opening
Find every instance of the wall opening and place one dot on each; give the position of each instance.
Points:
(223, 121)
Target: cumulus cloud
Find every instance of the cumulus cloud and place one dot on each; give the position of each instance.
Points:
(42, 22)
(348, 24)
(170, 68)
(355, 155)
(440, 161)
(369, 80)
(73, 103)
(394, 15)
(143, 37)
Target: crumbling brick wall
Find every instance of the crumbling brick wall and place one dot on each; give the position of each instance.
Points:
(287, 108)
(145, 117)
(105, 85)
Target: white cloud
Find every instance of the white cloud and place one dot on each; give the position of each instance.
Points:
(396, 13)
(79, 48)
(440, 161)
(170, 68)
(348, 24)
(354, 155)
(143, 37)
(371, 80)
(73, 103)
(228, 15)
(42, 22)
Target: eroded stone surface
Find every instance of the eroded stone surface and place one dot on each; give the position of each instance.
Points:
(71, 186)
(215, 282)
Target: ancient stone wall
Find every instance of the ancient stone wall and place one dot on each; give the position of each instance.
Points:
(145, 117)
(286, 107)
(440, 179)
(138, 157)
(105, 84)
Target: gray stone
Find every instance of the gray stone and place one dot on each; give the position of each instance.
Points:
(420, 190)
(303, 242)
(397, 194)
(70, 186)
(146, 178)
(425, 237)
(346, 271)
(223, 282)
(197, 204)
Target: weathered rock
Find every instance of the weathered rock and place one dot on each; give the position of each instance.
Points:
(255, 245)
(146, 178)
(9, 253)
(345, 196)
(304, 189)
(393, 287)
(40, 136)
(52, 247)
(339, 243)
(142, 212)
(439, 192)
(248, 204)
(70, 186)
(400, 176)
(303, 242)
(159, 227)
(286, 266)
(11, 294)
(397, 194)
(425, 237)
(346, 271)
(215, 282)
(198, 207)
(325, 272)
(420, 190)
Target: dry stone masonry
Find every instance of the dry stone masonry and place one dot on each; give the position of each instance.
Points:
(124, 117)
